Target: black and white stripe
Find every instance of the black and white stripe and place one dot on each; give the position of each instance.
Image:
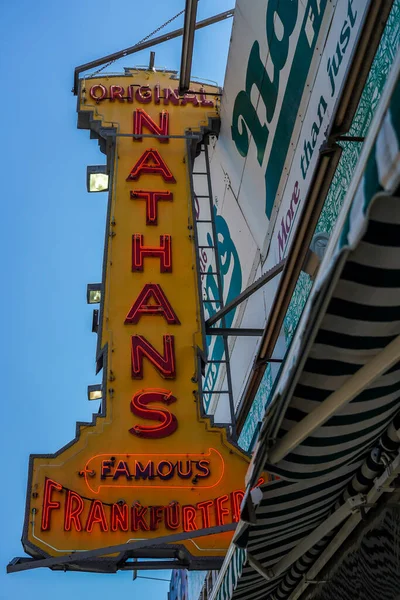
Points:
(343, 456)
(353, 313)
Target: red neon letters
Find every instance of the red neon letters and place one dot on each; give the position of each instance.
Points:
(221, 510)
(167, 421)
(116, 91)
(236, 501)
(48, 503)
(152, 163)
(189, 518)
(74, 506)
(152, 301)
(144, 94)
(163, 252)
(138, 518)
(94, 516)
(152, 199)
(171, 517)
(164, 364)
(119, 517)
(160, 307)
(142, 119)
(205, 512)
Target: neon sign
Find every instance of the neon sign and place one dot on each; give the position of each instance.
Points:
(83, 516)
(151, 463)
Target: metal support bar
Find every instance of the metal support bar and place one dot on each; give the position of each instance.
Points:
(216, 362)
(78, 557)
(153, 578)
(267, 360)
(187, 45)
(148, 44)
(151, 565)
(189, 136)
(374, 494)
(257, 566)
(349, 138)
(383, 361)
(313, 538)
(152, 60)
(220, 286)
(247, 292)
(234, 332)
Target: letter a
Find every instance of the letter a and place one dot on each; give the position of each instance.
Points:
(151, 162)
(160, 306)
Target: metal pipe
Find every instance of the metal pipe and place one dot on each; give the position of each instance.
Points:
(220, 285)
(149, 44)
(358, 382)
(350, 506)
(187, 45)
(336, 544)
(78, 557)
(234, 332)
(308, 542)
(261, 281)
(138, 136)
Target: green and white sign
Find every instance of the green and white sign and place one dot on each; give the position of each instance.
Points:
(287, 68)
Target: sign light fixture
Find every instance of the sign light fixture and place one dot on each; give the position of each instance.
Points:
(94, 392)
(93, 293)
(152, 464)
(97, 178)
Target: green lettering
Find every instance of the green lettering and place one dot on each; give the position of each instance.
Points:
(244, 113)
(286, 12)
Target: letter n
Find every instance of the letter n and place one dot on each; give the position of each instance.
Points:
(165, 365)
(142, 119)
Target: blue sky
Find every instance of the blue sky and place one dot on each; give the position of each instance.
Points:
(52, 242)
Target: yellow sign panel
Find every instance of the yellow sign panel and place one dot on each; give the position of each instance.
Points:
(151, 465)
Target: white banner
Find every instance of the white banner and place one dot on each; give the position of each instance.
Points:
(336, 58)
(286, 68)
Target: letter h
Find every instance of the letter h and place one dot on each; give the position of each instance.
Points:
(163, 252)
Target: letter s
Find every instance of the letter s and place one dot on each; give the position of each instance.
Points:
(344, 37)
(167, 421)
(203, 468)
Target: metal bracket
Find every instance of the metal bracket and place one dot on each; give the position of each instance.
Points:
(257, 566)
(233, 332)
(349, 138)
(148, 44)
(80, 558)
(259, 283)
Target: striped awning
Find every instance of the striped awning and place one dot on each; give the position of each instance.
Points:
(227, 582)
(333, 423)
